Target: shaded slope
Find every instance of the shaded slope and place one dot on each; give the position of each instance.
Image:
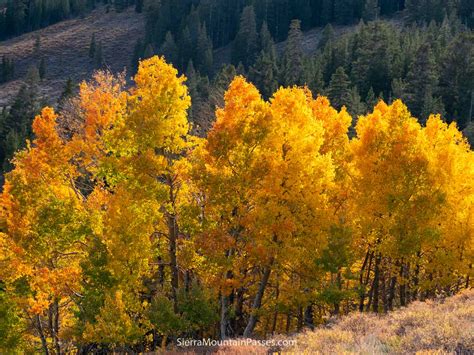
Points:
(65, 47)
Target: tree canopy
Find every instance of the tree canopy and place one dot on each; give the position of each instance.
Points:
(121, 230)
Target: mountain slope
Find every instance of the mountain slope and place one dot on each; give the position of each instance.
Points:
(65, 47)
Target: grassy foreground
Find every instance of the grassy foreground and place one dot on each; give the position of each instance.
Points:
(433, 327)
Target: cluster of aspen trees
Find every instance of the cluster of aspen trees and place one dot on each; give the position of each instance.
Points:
(121, 230)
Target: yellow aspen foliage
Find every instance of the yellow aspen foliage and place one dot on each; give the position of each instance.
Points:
(408, 179)
(266, 182)
(225, 163)
(136, 201)
(158, 107)
(44, 225)
(101, 105)
(114, 325)
(452, 163)
(40, 208)
(392, 179)
(121, 230)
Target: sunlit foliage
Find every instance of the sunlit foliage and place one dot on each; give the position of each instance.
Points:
(121, 231)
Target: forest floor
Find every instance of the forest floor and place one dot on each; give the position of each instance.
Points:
(441, 326)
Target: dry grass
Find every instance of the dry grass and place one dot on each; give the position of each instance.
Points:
(432, 327)
(443, 326)
(65, 46)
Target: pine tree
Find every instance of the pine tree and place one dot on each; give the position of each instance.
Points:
(422, 80)
(241, 70)
(329, 61)
(425, 11)
(327, 11)
(15, 17)
(37, 14)
(373, 56)
(264, 74)
(37, 46)
(220, 84)
(65, 9)
(465, 10)
(200, 112)
(138, 53)
(92, 47)
(192, 83)
(292, 71)
(149, 51)
(138, 6)
(68, 92)
(356, 108)
(398, 89)
(314, 75)
(99, 56)
(339, 90)
(388, 7)
(187, 47)
(194, 23)
(457, 79)
(203, 114)
(244, 48)
(120, 5)
(204, 55)
(7, 69)
(431, 105)
(371, 10)
(326, 36)
(169, 49)
(42, 68)
(265, 39)
(16, 127)
(355, 105)
(344, 11)
(371, 100)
